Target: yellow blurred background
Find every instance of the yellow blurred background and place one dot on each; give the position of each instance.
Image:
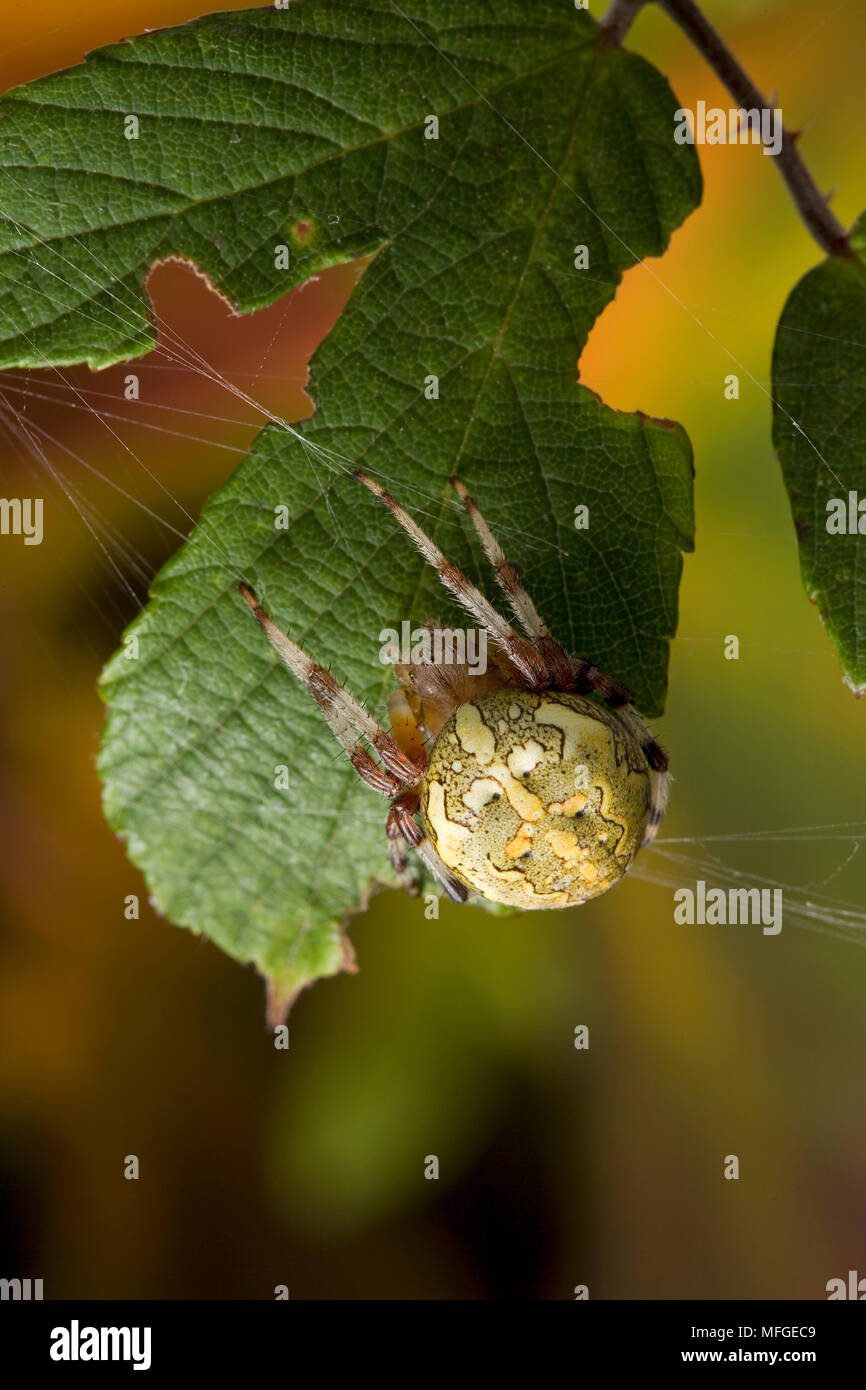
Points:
(558, 1166)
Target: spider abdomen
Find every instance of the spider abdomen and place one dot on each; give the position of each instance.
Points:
(537, 800)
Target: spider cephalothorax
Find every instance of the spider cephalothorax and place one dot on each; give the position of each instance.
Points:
(537, 781)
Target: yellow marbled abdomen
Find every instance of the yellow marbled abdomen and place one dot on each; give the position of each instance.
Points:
(536, 800)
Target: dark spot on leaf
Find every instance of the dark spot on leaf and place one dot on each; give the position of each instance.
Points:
(302, 231)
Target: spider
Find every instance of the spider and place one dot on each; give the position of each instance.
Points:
(536, 781)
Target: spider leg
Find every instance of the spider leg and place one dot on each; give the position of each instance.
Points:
(541, 662)
(400, 822)
(408, 737)
(653, 752)
(659, 791)
(398, 856)
(568, 672)
(658, 764)
(523, 656)
(345, 716)
(558, 661)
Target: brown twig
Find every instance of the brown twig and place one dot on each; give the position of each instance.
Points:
(811, 204)
(619, 17)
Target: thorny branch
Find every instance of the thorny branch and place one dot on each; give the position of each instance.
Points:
(811, 204)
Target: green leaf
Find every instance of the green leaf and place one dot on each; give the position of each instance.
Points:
(252, 125)
(819, 430)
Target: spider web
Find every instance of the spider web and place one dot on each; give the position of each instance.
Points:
(721, 858)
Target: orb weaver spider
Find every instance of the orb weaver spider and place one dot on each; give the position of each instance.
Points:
(536, 781)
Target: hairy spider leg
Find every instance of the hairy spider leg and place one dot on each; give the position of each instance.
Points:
(531, 662)
(653, 752)
(582, 676)
(529, 665)
(571, 672)
(659, 783)
(556, 657)
(568, 672)
(401, 822)
(345, 716)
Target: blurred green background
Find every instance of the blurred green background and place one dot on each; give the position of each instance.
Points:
(557, 1166)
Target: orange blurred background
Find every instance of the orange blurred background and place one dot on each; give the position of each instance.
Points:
(558, 1167)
